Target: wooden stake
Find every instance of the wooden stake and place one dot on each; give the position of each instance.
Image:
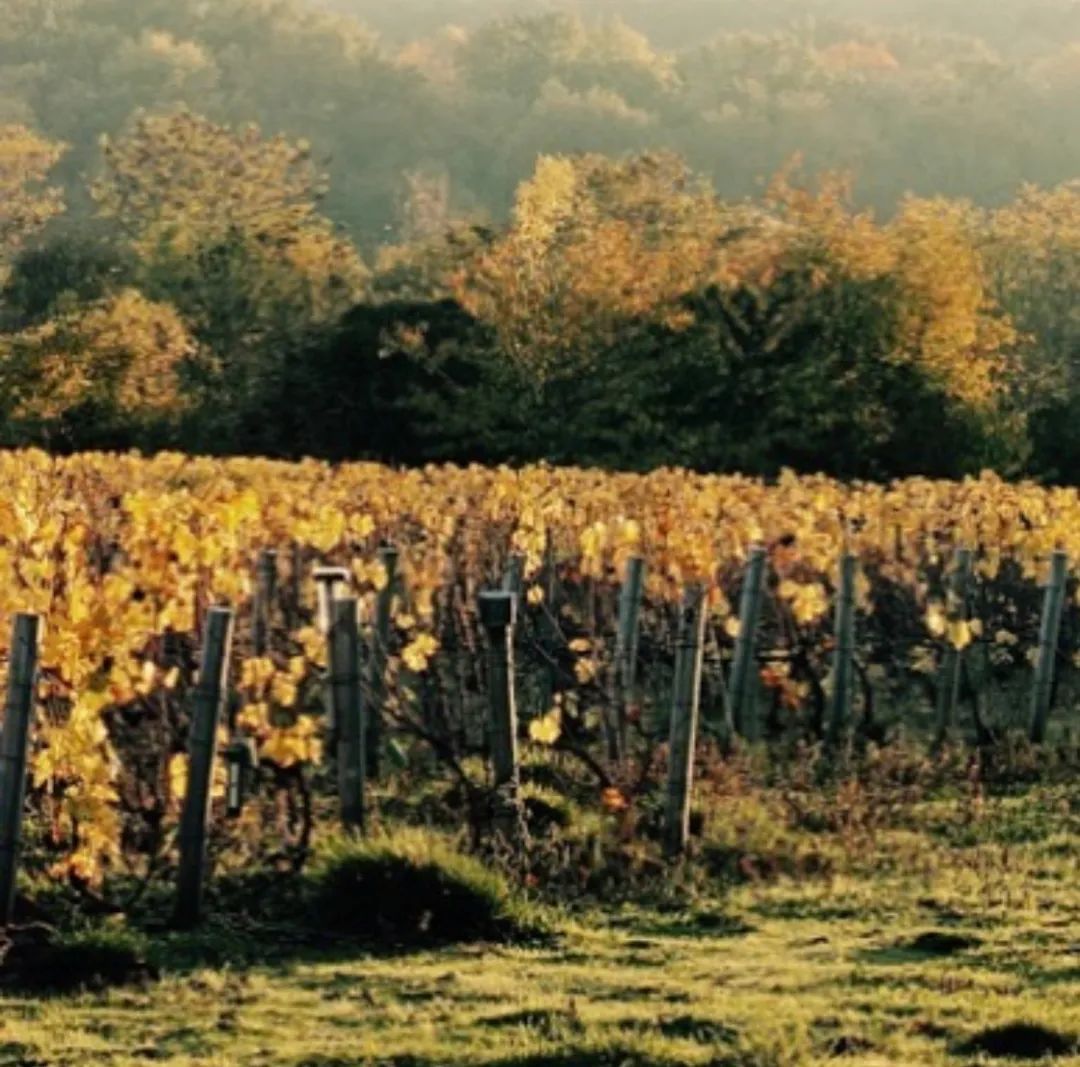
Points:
(344, 648)
(844, 657)
(208, 705)
(684, 719)
(514, 575)
(498, 615)
(265, 588)
(951, 667)
(1049, 630)
(741, 705)
(388, 556)
(626, 651)
(14, 750)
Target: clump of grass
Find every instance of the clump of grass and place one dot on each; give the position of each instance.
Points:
(414, 888)
(41, 959)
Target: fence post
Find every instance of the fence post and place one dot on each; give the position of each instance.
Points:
(296, 584)
(207, 708)
(1050, 628)
(330, 583)
(741, 682)
(685, 706)
(514, 575)
(388, 556)
(344, 648)
(955, 613)
(624, 676)
(498, 614)
(14, 749)
(265, 587)
(843, 659)
(241, 757)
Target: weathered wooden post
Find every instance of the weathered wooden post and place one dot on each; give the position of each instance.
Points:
(296, 584)
(844, 655)
(348, 710)
(208, 705)
(14, 750)
(685, 707)
(241, 757)
(330, 585)
(624, 675)
(388, 556)
(742, 680)
(1049, 630)
(951, 667)
(498, 615)
(265, 588)
(514, 576)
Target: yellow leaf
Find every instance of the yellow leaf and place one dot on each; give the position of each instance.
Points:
(546, 729)
(959, 633)
(417, 653)
(936, 621)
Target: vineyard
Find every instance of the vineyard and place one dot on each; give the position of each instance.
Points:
(123, 557)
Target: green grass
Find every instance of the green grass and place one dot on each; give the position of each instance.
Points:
(915, 944)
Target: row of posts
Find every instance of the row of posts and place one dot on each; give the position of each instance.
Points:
(357, 730)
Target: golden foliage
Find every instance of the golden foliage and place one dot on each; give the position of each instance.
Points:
(25, 161)
(182, 533)
(124, 354)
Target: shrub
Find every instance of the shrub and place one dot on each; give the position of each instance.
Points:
(413, 887)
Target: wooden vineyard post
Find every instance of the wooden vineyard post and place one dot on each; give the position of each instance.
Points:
(240, 756)
(296, 584)
(741, 682)
(265, 589)
(330, 584)
(14, 748)
(685, 707)
(626, 651)
(388, 557)
(1049, 630)
(498, 615)
(514, 575)
(844, 656)
(348, 710)
(209, 701)
(951, 668)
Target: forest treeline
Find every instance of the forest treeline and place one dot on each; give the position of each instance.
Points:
(258, 226)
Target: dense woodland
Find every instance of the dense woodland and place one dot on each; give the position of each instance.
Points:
(730, 236)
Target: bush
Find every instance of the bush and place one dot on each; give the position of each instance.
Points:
(38, 958)
(413, 887)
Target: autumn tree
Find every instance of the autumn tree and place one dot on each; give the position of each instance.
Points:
(793, 331)
(26, 203)
(107, 373)
(225, 225)
(1032, 252)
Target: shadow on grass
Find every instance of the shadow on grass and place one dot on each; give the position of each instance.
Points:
(704, 924)
(1019, 1041)
(932, 944)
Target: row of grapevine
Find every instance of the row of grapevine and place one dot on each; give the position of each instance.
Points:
(124, 557)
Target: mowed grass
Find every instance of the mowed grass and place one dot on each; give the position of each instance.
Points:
(950, 941)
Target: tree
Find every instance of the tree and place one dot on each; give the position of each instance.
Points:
(1032, 250)
(104, 374)
(594, 244)
(225, 225)
(25, 203)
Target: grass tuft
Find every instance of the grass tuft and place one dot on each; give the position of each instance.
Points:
(414, 888)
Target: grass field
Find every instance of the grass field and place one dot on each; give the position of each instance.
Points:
(949, 936)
